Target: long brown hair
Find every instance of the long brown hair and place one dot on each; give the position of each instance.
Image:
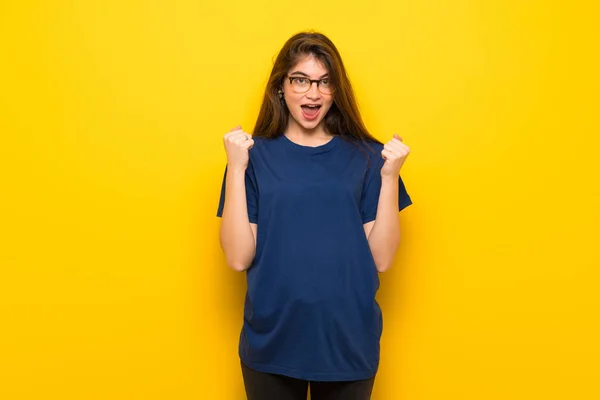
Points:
(343, 118)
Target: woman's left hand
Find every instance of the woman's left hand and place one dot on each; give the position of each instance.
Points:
(394, 153)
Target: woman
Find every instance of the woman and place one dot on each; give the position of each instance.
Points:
(309, 209)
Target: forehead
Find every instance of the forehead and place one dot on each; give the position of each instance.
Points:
(310, 66)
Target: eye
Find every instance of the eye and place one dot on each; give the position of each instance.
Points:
(300, 81)
(325, 82)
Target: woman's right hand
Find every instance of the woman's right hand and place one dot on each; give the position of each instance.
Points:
(237, 144)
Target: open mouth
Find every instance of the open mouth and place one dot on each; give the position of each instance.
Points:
(310, 111)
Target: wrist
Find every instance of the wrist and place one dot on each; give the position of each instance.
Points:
(389, 179)
(234, 170)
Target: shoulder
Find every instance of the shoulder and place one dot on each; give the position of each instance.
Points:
(259, 144)
(368, 148)
(375, 158)
(258, 140)
(369, 145)
(374, 146)
(261, 141)
(263, 148)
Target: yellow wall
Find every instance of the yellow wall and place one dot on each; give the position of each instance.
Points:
(112, 283)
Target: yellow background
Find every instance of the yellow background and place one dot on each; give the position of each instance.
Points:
(112, 282)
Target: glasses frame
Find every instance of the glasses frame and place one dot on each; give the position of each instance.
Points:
(291, 78)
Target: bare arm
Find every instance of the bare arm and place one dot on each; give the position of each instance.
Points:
(237, 235)
(383, 233)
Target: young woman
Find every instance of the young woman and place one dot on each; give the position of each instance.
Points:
(309, 207)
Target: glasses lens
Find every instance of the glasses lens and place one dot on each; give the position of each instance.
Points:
(325, 86)
(300, 85)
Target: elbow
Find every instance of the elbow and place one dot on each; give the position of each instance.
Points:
(382, 267)
(237, 259)
(238, 266)
(385, 260)
(239, 263)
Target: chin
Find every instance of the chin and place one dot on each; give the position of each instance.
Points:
(308, 125)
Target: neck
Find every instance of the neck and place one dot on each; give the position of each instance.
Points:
(296, 131)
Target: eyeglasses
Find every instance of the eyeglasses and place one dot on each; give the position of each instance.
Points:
(302, 84)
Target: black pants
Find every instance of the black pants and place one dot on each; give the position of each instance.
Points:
(264, 386)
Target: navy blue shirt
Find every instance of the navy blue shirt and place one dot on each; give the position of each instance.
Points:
(310, 310)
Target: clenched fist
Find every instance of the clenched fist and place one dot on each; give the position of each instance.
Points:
(394, 153)
(237, 144)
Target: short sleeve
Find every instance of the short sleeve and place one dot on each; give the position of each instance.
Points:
(372, 187)
(251, 195)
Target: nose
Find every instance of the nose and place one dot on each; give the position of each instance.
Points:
(313, 92)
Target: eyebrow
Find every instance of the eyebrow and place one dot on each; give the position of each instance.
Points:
(302, 73)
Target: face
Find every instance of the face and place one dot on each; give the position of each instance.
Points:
(307, 110)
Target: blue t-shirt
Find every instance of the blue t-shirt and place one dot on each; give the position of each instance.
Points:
(310, 310)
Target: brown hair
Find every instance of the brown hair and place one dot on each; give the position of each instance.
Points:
(343, 118)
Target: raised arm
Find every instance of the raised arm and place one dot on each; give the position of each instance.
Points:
(384, 233)
(237, 235)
